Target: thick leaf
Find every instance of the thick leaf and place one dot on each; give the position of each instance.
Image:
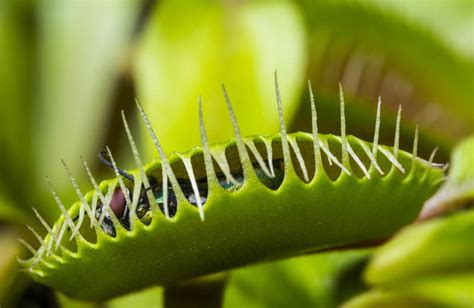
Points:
(309, 281)
(458, 190)
(442, 291)
(443, 245)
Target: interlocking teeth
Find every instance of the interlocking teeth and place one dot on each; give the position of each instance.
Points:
(128, 202)
(210, 172)
(164, 161)
(397, 132)
(138, 161)
(345, 152)
(192, 179)
(61, 206)
(314, 125)
(243, 154)
(283, 134)
(265, 169)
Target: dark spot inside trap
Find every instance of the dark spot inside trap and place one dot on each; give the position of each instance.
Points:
(107, 224)
(143, 209)
(229, 185)
(271, 182)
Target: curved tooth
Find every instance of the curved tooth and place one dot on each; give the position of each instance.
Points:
(35, 258)
(128, 202)
(164, 188)
(333, 158)
(84, 205)
(192, 179)
(314, 125)
(250, 143)
(106, 205)
(61, 206)
(210, 172)
(284, 140)
(93, 181)
(62, 230)
(221, 160)
(52, 238)
(392, 158)
(164, 161)
(430, 162)
(141, 168)
(397, 132)
(299, 157)
(370, 155)
(345, 153)
(415, 149)
(358, 161)
(98, 192)
(324, 145)
(377, 129)
(243, 154)
(45, 224)
(37, 236)
(268, 146)
(28, 246)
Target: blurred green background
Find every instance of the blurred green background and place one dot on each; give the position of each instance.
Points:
(67, 69)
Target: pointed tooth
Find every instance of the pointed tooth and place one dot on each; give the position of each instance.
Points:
(93, 181)
(268, 146)
(243, 154)
(299, 157)
(392, 159)
(314, 123)
(358, 161)
(165, 192)
(430, 162)
(79, 223)
(77, 190)
(397, 132)
(122, 187)
(377, 129)
(45, 224)
(333, 158)
(345, 154)
(61, 234)
(138, 162)
(210, 172)
(60, 205)
(106, 205)
(28, 246)
(415, 149)
(284, 139)
(37, 236)
(221, 160)
(164, 161)
(189, 169)
(251, 145)
(371, 157)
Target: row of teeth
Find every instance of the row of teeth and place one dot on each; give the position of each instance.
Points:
(57, 234)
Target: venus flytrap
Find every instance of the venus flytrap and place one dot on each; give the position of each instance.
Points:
(222, 206)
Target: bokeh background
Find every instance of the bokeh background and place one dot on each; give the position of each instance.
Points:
(68, 68)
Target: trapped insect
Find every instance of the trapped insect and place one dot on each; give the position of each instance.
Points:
(230, 204)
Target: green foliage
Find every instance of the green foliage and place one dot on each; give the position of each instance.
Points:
(320, 280)
(428, 264)
(238, 44)
(376, 50)
(238, 226)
